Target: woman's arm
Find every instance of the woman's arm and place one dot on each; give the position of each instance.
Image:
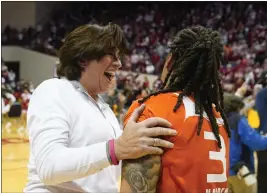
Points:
(49, 125)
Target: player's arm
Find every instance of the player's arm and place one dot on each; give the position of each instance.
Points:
(140, 175)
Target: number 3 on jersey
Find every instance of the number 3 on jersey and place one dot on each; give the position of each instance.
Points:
(214, 155)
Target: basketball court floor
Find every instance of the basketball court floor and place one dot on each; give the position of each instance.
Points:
(15, 154)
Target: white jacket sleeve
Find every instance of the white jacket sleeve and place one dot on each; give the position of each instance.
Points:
(49, 124)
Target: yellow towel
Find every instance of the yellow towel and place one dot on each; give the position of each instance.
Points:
(253, 118)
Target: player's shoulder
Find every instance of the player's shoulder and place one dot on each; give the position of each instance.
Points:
(163, 99)
(162, 104)
(166, 100)
(160, 101)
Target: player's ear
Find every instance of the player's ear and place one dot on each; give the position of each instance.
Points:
(167, 66)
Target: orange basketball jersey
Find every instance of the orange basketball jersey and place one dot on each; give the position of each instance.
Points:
(196, 164)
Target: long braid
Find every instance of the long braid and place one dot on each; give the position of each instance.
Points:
(180, 70)
(200, 68)
(208, 72)
(183, 62)
(198, 98)
(171, 71)
(219, 104)
(184, 93)
(226, 124)
(179, 101)
(196, 57)
(199, 126)
(221, 91)
(214, 126)
(216, 92)
(165, 82)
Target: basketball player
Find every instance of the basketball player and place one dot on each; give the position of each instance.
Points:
(191, 98)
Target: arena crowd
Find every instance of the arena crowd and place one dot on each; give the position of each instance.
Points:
(149, 28)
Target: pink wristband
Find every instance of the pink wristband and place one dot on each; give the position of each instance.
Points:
(112, 152)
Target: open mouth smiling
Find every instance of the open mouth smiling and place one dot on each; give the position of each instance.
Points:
(109, 75)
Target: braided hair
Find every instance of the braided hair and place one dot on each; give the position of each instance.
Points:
(196, 58)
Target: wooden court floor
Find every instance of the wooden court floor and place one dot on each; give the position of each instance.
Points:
(15, 154)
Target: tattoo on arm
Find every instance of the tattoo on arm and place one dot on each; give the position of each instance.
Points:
(142, 174)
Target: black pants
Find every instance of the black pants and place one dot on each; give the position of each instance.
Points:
(262, 172)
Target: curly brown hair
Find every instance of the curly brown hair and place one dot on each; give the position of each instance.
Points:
(88, 42)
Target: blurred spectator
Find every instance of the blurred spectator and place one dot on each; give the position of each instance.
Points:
(8, 100)
(13, 92)
(244, 140)
(148, 29)
(25, 97)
